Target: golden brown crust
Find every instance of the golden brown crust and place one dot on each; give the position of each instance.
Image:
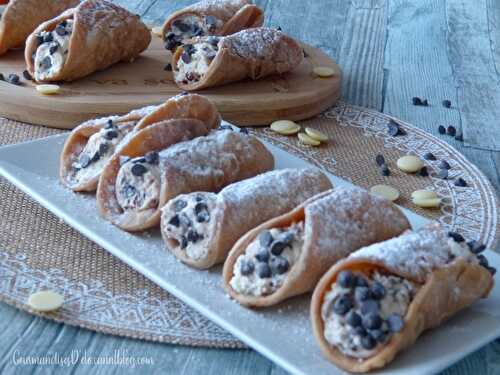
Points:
(21, 17)
(253, 53)
(103, 34)
(446, 290)
(236, 15)
(348, 227)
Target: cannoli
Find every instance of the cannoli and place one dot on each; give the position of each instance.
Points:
(21, 17)
(378, 301)
(85, 39)
(210, 17)
(200, 228)
(286, 256)
(132, 190)
(90, 145)
(254, 53)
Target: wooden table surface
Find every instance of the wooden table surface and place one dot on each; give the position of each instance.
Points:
(390, 51)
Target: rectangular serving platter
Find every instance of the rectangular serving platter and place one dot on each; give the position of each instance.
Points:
(283, 333)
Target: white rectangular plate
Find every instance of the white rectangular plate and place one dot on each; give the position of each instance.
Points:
(283, 334)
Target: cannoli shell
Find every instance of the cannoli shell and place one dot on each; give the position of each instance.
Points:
(444, 289)
(21, 17)
(178, 107)
(237, 15)
(203, 164)
(336, 223)
(246, 204)
(252, 53)
(103, 34)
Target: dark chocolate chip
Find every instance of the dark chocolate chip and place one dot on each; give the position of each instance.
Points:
(27, 76)
(360, 331)
(53, 49)
(492, 270)
(423, 172)
(346, 279)
(384, 171)
(393, 128)
(103, 148)
(129, 190)
(425, 103)
(138, 169)
(368, 342)
(306, 55)
(451, 131)
(377, 290)
(194, 236)
(457, 237)
(174, 221)
(211, 20)
(416, 100)
(110, 134)
(61, 30)
(443, 174)
(380, 160)
(362, 293)
(184, 27)
(203, 217)
(39, 39)
(184, 242)
(443, 164)
(63, 23)
(460, 182)
(263, 270)
(262, 255)
(47, 38)
(372, 321)
(246, 267)
(95, 157)
(279, 28)
(441, 129)
(361, 281)
(476, 247)
(287, 238)
(342, 304)
(459, 137)
(353, 319)
(225, 127)
(84, 160)
(214, 41)
(446, 103)
(369, 306)
(152, 157)
(170, 44)
(244, 131)
(198, 198)
(197, 31)
(429, 156)
(200, 207)
(2, 78)
(109, 124)
(279, 265)
(170, 36)
(395, 323)
(265, 238)
(168, 67)
(277, 247)
(179, 205)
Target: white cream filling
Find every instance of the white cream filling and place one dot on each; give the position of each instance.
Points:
(254, 285)
(187, 223)
(57, 58)
(398, 295)
(198, 65)
(138, 192)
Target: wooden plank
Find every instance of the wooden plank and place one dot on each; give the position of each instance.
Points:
(474, 70)
(493, 12)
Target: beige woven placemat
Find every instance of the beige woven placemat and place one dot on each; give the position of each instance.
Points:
(39, 251)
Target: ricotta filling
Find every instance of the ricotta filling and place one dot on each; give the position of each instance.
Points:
(187, 223)
(52, 51)
(190, 26)
(360, 314)
(195, 61)
(97, 152)
(263, 268)
(138, 184)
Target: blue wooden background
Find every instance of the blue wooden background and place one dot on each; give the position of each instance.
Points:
(390, 51)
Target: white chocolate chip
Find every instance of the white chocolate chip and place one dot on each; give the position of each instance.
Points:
(157, 30)
(410, 164)
(305, 139)
(48, 89)
(424, 194)
(385, 191)
(316, 134)
(46, 300)
(323, 71)
(427, 203)
(285, 127)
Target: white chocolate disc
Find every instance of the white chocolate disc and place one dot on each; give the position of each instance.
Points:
(385, 191)
(410, 164)
(45, 300)
(305, 139)
(285, 127)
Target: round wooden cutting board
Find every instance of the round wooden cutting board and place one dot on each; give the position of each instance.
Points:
(126, 86)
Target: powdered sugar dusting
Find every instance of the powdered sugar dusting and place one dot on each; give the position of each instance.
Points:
(417, 253)
(223, 9)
